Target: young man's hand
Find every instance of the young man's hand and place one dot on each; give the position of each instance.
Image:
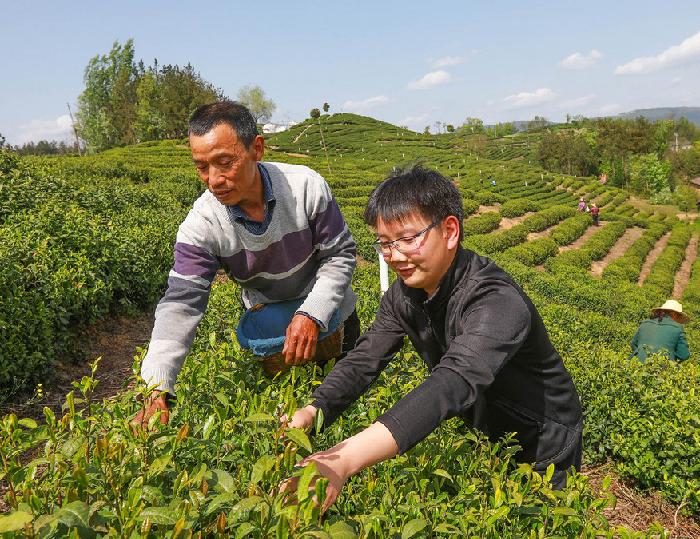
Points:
(337, 464)
(302, 418)
(156, 401)
(331, 465)
(300, 340)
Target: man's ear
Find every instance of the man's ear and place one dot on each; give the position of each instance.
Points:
(450, 227)
(259, 147)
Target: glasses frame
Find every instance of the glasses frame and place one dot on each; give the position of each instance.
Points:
(379, 246)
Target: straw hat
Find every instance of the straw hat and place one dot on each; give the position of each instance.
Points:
(673, 305)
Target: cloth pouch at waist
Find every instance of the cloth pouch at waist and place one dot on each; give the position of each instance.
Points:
(262, 328)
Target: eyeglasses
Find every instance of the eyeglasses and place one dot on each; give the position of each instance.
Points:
(404, 246)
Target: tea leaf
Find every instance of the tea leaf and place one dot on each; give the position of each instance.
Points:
(413, 527)
(300, 438)
(264, 464)
(159, 515)
(223, 480)
(74, 514)
(14, 521)
(342, 530)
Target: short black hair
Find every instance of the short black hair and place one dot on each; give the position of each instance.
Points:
(231, 113)
(411, 189)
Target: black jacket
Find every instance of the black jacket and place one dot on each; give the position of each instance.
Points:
(490, 359)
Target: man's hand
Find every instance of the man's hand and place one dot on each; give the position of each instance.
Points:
(330, 464)
(300, 340)
(156, 401)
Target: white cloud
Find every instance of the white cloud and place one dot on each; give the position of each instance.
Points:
(59, 129)
(366, 104)
(577, 102)
(430, 80)
(676, 80)
(580, 60)
(447, 61)
(687, 51)
(529, 99)
(415, 120)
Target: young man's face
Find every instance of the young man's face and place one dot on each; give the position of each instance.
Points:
(426, 264)
(225, 165)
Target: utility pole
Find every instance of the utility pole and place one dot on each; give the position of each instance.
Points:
(676, 135)
(75, 130)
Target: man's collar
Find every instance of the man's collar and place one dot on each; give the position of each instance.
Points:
(268, 195)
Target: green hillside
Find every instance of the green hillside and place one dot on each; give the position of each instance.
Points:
(98, 238)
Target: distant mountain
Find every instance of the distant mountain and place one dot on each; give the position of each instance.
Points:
(666, 113)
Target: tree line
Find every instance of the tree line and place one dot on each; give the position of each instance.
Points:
(649, 158)
(125, 101)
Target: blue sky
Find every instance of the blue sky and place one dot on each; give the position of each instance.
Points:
(410, 63)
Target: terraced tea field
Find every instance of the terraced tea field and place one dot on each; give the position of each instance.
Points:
(83, 237)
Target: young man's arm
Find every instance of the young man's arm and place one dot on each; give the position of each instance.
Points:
(351, 377)
(495, 323)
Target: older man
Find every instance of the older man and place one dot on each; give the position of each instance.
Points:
(275, 228)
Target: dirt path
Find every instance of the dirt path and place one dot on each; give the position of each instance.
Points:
(582, 239)
(115, 340)
(509, 222)
(542, 234)
(640, 510)
(651, 258)
(484, 209)
(628, 238)
(683, 273)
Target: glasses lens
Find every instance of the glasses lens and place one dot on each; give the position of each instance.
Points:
(407, 245)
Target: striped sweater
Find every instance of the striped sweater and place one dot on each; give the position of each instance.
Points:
(306, 251)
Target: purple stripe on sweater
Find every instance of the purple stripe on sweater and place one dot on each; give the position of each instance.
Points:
(193, 260)
(277, 257)
(328, 224)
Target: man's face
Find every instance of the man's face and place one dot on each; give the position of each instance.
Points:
(225, 165)
(425, 266)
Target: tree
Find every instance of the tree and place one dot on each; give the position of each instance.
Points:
(648, 174)
(166, 98)
(569, 152)
(315, 113)
(326, 106)
(107, 105)
(473, 125)
(539, 122)
(450, 128)
(123, 102)
(253, 97)
(426, 130)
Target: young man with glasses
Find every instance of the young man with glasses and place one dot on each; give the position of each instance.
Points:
(490, 359)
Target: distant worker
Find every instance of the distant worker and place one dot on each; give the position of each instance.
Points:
(595, 213)
(581, 205)
(662, 333)
(493, 183)
(276, 229)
